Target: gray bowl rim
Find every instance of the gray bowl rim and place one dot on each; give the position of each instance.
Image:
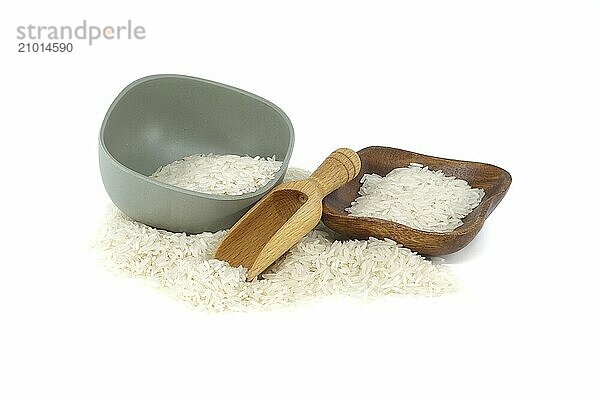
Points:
(263, 190)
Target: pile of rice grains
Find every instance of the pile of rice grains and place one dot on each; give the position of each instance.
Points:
(319, 265)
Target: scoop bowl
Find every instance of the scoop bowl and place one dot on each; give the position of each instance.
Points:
(381, 160)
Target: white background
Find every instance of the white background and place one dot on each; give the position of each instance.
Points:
(513, 83)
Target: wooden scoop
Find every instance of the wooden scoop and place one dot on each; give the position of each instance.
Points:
(287, 213)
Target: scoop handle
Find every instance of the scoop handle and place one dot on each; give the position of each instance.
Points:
(339, 167)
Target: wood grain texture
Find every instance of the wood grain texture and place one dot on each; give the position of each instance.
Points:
(381, 160)
(287, 213)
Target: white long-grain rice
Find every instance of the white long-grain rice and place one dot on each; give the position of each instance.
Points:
(319, 265)
(416, 197)
(219, 174)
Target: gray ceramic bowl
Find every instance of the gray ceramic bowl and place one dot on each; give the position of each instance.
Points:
(162, 118)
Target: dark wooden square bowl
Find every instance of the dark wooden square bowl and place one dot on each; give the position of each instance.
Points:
(381, 160)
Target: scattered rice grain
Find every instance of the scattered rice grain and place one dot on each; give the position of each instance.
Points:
(317, 266)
